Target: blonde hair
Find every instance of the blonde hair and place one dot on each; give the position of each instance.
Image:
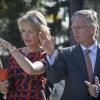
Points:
(36, 19)
(90, 17)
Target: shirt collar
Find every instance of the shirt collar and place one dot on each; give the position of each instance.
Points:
(93, 47)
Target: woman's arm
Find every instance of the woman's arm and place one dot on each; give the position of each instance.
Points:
(25, 64)
(29, 67)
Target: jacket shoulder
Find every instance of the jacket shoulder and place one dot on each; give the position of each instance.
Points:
(68, 49)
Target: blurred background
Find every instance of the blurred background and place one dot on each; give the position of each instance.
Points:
(57, 12)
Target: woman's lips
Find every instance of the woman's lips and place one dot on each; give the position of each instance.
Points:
(27, 40)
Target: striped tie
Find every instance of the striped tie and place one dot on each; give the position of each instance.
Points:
(88, 64)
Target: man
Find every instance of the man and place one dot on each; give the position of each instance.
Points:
(80, 70)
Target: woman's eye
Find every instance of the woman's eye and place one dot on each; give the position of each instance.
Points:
(30, 32)
(22, 31)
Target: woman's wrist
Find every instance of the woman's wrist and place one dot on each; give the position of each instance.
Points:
(11, 48)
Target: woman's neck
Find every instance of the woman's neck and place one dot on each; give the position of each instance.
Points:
(34, 49)
(29, 49)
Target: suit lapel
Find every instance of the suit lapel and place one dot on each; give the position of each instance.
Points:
(97, 64)
(80, 61)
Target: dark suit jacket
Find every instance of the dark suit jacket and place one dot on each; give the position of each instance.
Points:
(70, 65)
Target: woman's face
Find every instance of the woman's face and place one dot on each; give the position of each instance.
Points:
(29, 34)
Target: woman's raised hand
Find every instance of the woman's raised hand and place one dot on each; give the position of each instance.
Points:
(47, 42)
(4, 43)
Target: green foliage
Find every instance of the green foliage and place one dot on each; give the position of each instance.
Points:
(11, 10)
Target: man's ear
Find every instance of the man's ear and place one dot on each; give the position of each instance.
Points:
(93, 29)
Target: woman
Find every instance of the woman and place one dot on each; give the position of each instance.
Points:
(30, 85)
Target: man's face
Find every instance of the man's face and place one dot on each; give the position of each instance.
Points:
(82, 31)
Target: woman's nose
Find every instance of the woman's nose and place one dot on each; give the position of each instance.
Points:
(27, 34)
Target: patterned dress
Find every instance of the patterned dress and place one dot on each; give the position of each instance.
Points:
(22, 85)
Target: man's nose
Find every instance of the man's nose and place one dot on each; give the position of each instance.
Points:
(75, 31)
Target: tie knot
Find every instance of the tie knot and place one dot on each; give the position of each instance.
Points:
(87, 51)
